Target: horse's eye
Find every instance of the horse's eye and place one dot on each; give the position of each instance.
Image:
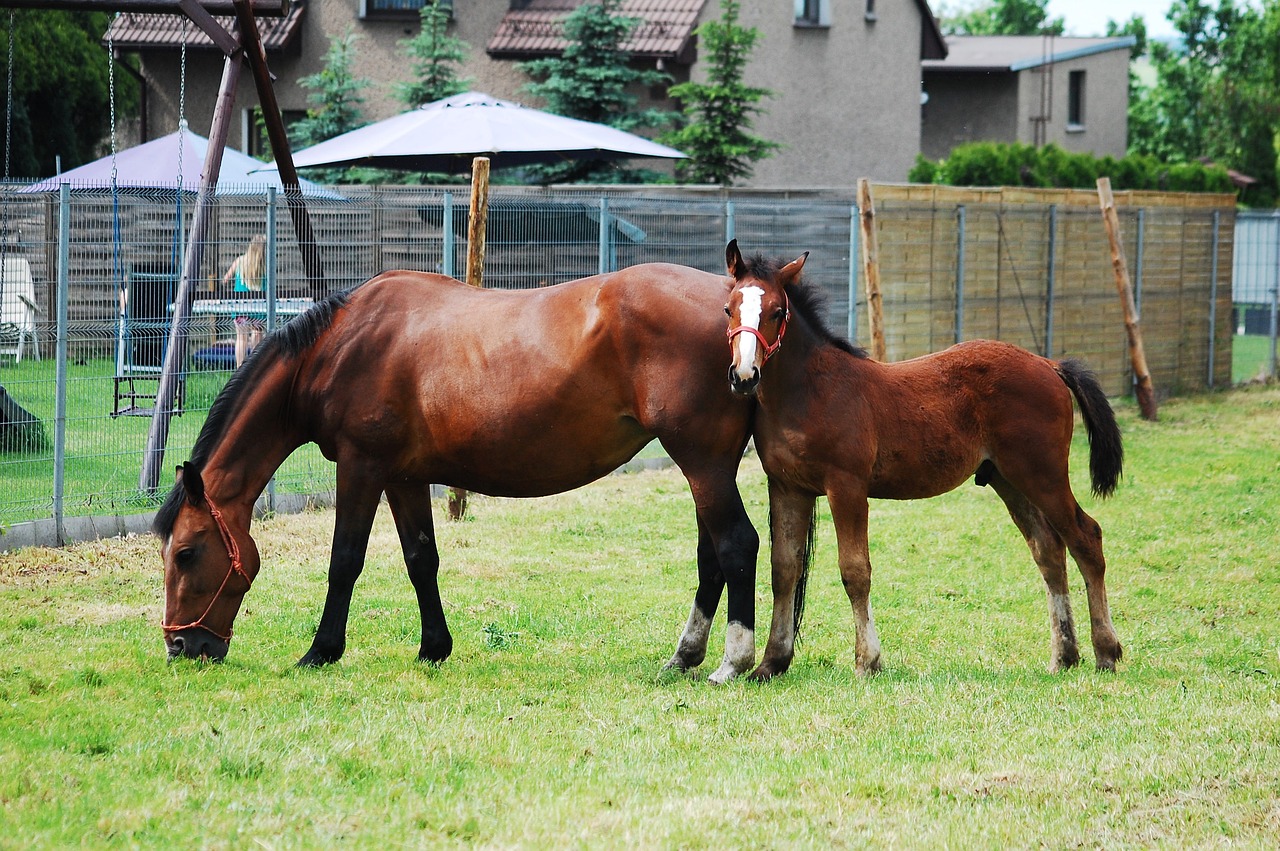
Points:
(727, 311)
(185, 557)
(778, 314)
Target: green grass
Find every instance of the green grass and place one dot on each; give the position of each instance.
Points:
(550, 726)
(1250, 357)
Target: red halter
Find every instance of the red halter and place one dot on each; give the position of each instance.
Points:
(769, 350)
(233, 551)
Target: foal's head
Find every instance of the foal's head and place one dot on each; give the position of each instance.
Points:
(206, 570)
(758, 312)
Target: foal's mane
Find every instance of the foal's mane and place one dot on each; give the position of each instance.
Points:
(288, 341)
(808, 301)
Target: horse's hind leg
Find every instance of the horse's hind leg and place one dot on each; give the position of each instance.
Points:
(411, 508)
(790, 522)
(1050, 555)
(692, 647)
(357, 504)
(849, 511)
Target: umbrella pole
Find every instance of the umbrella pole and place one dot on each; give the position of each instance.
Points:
(175, 354)
(475, 275)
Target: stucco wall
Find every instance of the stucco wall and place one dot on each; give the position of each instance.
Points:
(1105, 129)
(966, 108)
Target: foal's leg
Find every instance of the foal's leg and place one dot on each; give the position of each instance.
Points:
(357, 504)
(692, 648)
(849, 511)
(411, 507)
(1050, 555)
(790, 518)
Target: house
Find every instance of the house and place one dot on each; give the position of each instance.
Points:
(1073, 92)
(845, 75)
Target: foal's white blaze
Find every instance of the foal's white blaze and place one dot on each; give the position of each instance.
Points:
(739, 653)
(748, 317)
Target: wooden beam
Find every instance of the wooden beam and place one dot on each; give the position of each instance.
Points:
(1142, 376)
(871, 268)
(261, 8)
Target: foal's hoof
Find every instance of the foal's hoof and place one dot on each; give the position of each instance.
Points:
(1107, 656)
(868, 668)
(768, 669)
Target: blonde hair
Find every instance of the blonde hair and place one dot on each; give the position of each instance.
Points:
(253, 263)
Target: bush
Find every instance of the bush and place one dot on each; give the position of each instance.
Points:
(1016, 164)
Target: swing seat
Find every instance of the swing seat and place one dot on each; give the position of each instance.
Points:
(142, 337)
(18, 310)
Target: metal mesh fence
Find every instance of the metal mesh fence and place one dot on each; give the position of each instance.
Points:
(1027, 273)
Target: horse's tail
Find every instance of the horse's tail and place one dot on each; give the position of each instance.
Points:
(1106, 451)
(806, 559)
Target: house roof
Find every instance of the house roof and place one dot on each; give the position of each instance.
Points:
(932, 43)
(1019, 52)
(536, 29)
(141, 31)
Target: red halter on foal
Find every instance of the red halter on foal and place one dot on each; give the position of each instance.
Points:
(233, 551)
(764, 344)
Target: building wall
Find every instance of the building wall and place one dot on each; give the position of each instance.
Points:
(846, 104)
(1106, 104)
(965, 108)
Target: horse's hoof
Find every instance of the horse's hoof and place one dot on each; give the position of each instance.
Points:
(315, 659)
(868, 669)
(723, 674)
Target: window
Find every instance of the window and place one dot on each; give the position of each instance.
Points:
(813, 13)
(870, 14)
(1075, 100)
(394, 10)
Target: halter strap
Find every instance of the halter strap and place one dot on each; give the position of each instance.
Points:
(769, 350)
(237, 566)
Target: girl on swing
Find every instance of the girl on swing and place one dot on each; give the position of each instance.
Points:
(248, 270)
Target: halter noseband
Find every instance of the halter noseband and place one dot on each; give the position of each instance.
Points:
(237, 566)
(769, 350)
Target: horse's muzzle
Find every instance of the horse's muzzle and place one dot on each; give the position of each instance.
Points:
(744, 386)
(196, 643)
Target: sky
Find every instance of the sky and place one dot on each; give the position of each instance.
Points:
(1089, 17)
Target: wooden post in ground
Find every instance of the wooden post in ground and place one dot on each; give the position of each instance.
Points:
(1142, 376)
(871, 268)
(475, 275)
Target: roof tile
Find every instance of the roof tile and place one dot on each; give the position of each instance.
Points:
(537, 29)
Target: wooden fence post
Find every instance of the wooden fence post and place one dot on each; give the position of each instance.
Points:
(1142, 389)
(479, 215)
(871, 267)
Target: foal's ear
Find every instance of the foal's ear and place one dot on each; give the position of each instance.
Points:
(192, 483)
(733, 260)
(790, 273)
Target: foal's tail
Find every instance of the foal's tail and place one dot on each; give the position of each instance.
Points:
(806, 559)
(1106, 452)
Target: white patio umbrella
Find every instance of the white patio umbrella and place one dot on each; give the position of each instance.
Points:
(446, 135)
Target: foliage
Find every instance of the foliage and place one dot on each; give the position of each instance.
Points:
(336, 96)
(1001, 17)
(61, 93)
(566, 732)
(717, 134)
(590, 81)
(1217, 94)
(1016, 164)
(435, 55)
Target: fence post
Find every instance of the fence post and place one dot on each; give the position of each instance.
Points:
(1213, 299)
(960, 239)
(60, 403)
(602, 264)
(729, 227)
(1050, 280)
(270, 285)
(853, 274)
(1275, 315)
(871, 260)
(446, 261)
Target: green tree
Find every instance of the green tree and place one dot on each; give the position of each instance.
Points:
(435, 55)
(1002, 17)
(717, 136)
(592, 81)
(61, 105)
(1217, 94)
(335, 98)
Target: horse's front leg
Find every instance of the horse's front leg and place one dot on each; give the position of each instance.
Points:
(357, 503)
(411, 508)
(692, 647)
(790, 529)
(736, 543)
(849, 512)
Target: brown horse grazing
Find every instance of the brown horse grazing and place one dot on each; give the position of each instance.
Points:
(415, 378)
(832, 421)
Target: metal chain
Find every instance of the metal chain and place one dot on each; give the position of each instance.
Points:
(8, 116)
(182, 99)
(111, 87)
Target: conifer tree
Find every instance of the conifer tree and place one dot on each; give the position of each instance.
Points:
(436, 56)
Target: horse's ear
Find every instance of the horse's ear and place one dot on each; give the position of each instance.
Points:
(790, 273)
(733, 260)
(191, 481)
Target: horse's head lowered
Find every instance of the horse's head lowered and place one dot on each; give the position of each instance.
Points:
(758, 313)
(207, 571)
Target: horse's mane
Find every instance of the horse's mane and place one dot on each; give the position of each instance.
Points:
(288, 341)
(809, 301)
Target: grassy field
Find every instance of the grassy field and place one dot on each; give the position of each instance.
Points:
(550, 726)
